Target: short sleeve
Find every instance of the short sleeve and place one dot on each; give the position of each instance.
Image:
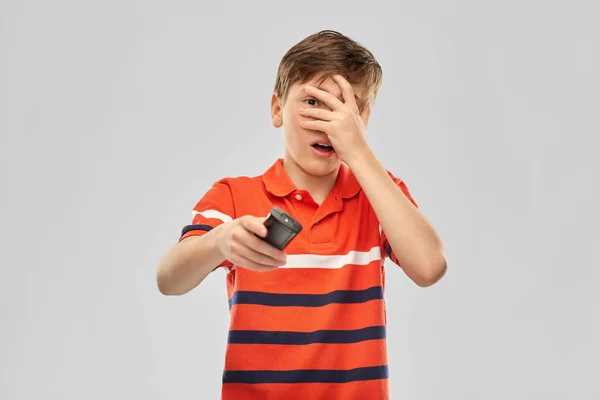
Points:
(385, 245)
(213, 209)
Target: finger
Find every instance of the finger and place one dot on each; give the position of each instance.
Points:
(317, 113)
(256, 257)
(254, 225)
(264, 248)
(315, 125)
(347, 91)
(333, 102)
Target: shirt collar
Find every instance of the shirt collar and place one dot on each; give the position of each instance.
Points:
(278, 183)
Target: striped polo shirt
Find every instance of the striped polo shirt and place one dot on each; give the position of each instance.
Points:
(314, 328)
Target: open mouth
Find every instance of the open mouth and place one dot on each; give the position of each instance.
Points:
(324, 147)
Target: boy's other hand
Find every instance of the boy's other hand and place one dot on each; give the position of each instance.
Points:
(238, 244)
(345, 125)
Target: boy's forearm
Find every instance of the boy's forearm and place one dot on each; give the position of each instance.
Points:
(187, 263)
(415, 242)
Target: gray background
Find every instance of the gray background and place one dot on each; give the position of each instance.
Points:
(116, 116)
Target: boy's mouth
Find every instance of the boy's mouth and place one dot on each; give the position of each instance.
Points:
(323, 149)
(323, 146)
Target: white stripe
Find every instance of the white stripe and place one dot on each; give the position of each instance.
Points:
(213, 214)
(333, 261)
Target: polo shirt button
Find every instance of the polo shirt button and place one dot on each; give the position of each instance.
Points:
(298, 197)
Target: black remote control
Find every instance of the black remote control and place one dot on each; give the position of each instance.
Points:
(281, 228)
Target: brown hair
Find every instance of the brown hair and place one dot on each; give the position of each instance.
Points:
(326, 53)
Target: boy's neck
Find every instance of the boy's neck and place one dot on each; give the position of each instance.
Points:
(319, 187)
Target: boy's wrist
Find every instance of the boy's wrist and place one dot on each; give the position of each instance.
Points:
(360, 158)
(217, 238)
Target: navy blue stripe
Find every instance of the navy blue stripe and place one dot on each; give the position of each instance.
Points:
(300, 338)
(388, 251)
(307, 376)
(306, 300)
(195, 227)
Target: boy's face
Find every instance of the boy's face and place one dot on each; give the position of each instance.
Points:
(299, 141)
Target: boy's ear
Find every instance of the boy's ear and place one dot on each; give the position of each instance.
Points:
(276, 111)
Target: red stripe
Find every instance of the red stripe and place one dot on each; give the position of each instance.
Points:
(307, 319)
(309, 280)
(247, 357)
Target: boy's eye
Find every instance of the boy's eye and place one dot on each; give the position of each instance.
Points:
(308, 100)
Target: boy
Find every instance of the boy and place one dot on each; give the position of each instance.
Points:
(309, 323)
